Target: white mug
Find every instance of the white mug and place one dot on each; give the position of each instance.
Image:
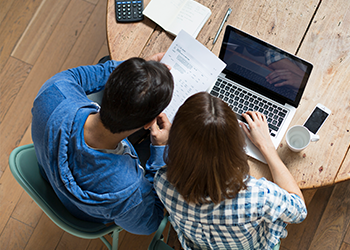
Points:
(298, 138)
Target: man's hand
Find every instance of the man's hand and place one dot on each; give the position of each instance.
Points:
(160, 130)
(156, 57)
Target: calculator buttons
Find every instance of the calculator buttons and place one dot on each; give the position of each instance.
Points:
(129, 11)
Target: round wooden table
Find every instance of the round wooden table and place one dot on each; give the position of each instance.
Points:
(322, 163)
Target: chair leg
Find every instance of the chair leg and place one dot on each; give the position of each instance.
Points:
(115, 239)
(108, 245)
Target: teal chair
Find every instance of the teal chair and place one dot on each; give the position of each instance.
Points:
(25, 169)
(157, 242)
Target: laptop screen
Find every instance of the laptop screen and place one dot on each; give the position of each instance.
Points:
(264, 68)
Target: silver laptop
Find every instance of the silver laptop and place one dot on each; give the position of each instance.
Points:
(263, 78)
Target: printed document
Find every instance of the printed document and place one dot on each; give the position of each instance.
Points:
(194, 68)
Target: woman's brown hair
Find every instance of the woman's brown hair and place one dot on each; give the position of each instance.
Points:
(205, 154)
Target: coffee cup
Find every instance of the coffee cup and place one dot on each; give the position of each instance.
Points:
(299, 137)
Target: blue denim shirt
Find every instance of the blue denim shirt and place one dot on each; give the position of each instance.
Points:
(95, 186)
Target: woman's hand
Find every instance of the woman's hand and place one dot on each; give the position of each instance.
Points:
(258, 131)
(284, 77)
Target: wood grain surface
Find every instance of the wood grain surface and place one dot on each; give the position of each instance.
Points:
(307, 29)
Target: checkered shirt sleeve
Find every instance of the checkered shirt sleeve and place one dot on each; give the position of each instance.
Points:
(255, 219)
(272, 56)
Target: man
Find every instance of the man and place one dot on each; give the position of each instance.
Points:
(82, 147)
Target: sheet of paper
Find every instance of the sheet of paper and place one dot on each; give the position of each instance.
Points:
(174, 15)
(163, 12)
(191, 18)
(194, 68)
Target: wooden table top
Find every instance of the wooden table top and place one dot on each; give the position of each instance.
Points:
(305, 28)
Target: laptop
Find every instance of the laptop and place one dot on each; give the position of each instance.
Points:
(260, 77)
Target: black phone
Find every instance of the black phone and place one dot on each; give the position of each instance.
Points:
(129, 11)
(317, 118)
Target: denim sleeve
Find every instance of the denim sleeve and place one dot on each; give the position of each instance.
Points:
(155, 162)
(144, 218)
(92, 78)
(88, 79)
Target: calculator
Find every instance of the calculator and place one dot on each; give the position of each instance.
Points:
(129, 11)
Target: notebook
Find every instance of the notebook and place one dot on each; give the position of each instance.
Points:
(243, 84)
(175, 15)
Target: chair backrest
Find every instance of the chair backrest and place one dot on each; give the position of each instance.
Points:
(157, 242)
(161, 245)
(24, 167)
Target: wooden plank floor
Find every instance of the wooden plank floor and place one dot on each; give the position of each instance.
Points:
(43, 37)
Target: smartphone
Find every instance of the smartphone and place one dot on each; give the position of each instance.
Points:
(317, 118)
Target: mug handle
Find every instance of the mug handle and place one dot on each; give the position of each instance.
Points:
(314, 137)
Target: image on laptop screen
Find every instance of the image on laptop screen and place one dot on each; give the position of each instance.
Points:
(271, 70)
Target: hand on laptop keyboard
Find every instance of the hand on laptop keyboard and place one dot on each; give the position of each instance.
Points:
(241, 101)
(258, 131)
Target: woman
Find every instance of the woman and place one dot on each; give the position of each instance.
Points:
(206, 188)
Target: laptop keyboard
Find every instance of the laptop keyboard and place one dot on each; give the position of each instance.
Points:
(241, 101)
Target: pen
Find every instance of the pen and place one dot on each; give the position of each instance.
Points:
(222, 24)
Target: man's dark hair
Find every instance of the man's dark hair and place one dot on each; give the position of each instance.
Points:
(136, 92)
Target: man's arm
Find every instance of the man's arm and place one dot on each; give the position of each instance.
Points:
(159, 138)
(144, 218)
(92, 78)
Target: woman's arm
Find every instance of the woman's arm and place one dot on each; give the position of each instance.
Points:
(258, 133)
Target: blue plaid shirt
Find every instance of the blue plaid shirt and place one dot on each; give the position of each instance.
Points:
(255, 219)
(273, 56)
